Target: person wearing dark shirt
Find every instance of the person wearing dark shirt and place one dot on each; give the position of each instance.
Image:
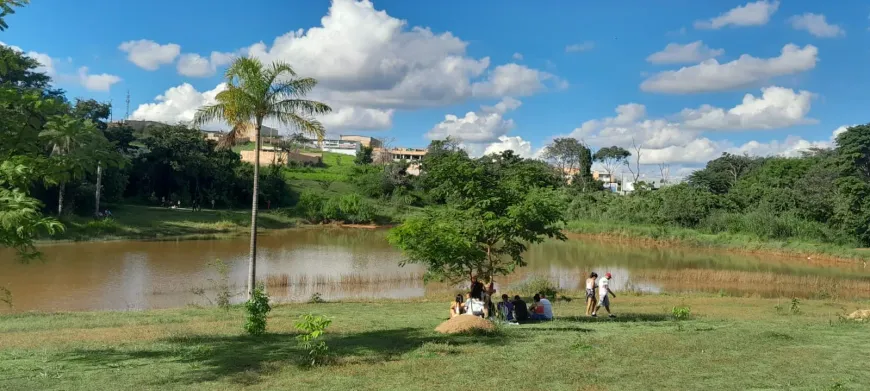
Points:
(520, 310)
(476, 288)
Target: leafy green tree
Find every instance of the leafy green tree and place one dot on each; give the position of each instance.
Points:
(75, 145)
(611, 158)
(722, 173)
(492, 213)
(364, 156)
(20, 218)
(256, 92)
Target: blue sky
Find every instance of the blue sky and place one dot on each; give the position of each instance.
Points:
(526, 72)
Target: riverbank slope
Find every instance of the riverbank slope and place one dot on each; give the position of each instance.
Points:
(666, 235)
(145, 222)
(727, 344)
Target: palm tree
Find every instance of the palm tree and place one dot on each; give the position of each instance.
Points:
(256, 92)
(72, 142)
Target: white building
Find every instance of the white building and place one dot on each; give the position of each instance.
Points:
(343, 147)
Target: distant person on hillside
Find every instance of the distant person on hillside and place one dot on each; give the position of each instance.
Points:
(521, 312)
(603, 290)
(591, 300)
(548, 307)
(476, 288)
(506, 309)
(456, 307)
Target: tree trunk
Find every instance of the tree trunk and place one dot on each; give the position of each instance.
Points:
(60, 190)
(252, 266)
(99, 188)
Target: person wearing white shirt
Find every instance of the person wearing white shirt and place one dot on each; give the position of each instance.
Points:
(548, 307)
(603, 299)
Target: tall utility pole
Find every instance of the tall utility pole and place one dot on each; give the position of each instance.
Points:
(127, 115)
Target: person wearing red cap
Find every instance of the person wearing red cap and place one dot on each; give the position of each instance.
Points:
(603, 299)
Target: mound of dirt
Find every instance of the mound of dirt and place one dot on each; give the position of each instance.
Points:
(859, 315)
(463, 324)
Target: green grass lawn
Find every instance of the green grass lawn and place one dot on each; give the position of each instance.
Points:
(143, 222)
(727, 344)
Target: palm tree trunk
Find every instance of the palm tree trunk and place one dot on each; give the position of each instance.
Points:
(252, 266)
(60, 191)
(99, 187)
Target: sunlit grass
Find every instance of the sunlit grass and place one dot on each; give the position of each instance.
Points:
(727, 344)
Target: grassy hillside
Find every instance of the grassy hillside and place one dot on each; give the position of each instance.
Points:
(726, 344)
(143, 222)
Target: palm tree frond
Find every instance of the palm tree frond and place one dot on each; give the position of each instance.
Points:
(306, 125)
(296, 88)
(302, 106)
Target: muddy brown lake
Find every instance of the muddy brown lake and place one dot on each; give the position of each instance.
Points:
(339, 263)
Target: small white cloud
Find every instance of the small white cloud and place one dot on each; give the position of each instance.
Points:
(710, 75)
(693, 52)
(751, 14)
(150, 55)
(817, 25)
(484, 126)
(194, 65)
(517, 56)
(580, 47)
(101, 82)
(514, 80)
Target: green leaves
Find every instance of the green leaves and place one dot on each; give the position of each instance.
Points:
(495, 205)
(21, 220)
(257, 308)
(6, 9)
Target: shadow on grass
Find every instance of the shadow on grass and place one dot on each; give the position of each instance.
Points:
(244, 359)
(626, 317)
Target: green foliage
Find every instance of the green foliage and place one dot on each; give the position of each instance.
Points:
(310, 206)
(495, 206)
(681, 312)
(536, 285)
(795, 307)
(21, 220)
(611, 158)
(312, 328)
(364, 156)
(257, 308)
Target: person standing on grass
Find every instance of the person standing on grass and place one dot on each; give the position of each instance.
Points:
(590, 293)
(476, 288)
(603, 290)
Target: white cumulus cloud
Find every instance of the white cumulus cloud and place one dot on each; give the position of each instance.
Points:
(365, 57)
(150, 55)
(194, 65)
(515, 143)
(750, 14)
(96, 82)
(817, 25)
(177, 104)
(517, 56)
(484, 126)
(675, 53)
(357, 118)
(777, 107)
(710, 75)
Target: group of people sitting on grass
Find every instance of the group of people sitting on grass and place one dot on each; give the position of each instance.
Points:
(478, 302)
